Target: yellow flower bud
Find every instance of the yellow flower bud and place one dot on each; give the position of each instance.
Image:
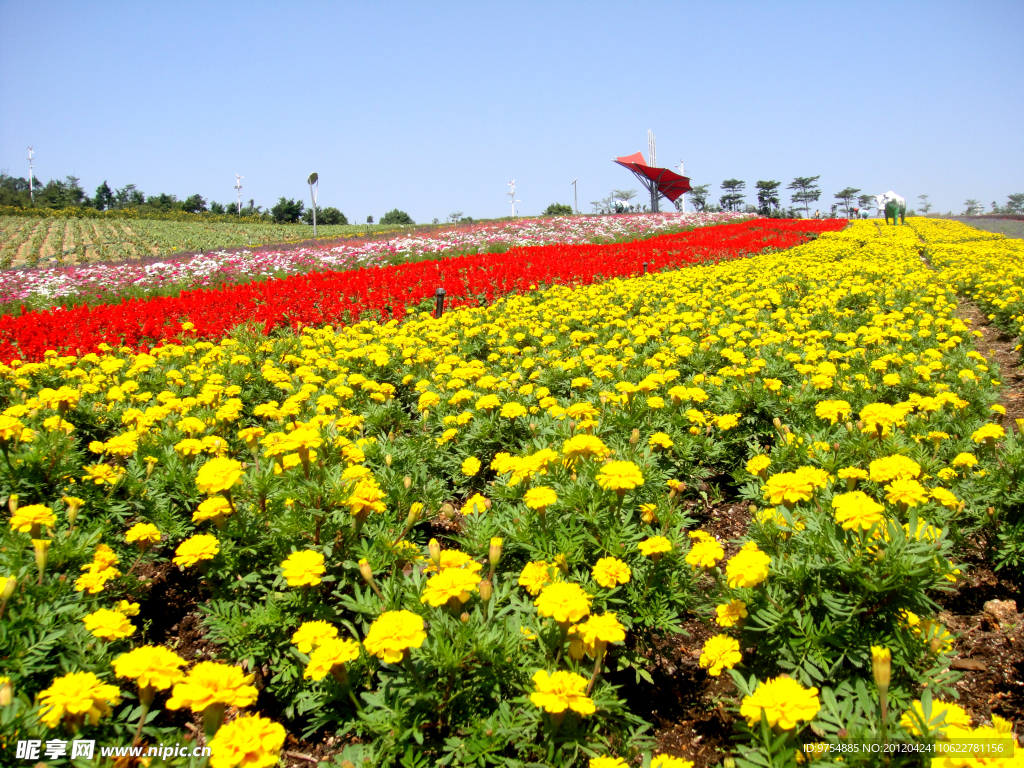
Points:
(435, 553)
(9, 587)
(494, 553)
(407, 482)
(12, 503)
(42, 548)
(881, 666)
(366, 571)
(388, 459)
(6, 692)
(486, 591)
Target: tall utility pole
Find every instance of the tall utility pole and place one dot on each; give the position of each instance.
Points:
(31, 189)
(575, 199)
(512, 195)
(238, 188)
(652, 155)
(682, 197)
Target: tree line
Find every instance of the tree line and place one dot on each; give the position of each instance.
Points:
(68, 193)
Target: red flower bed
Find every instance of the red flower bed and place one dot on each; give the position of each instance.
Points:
(341, 297)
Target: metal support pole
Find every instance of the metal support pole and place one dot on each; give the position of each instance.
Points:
(645, 267)
(438, 302)
(654, 197)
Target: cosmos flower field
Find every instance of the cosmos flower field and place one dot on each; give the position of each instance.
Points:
(459, 540)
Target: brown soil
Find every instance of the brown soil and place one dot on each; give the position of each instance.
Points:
(989, 652)
(999, 347)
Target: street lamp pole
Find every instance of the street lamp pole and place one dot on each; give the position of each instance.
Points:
(314, 186)
(575, 199)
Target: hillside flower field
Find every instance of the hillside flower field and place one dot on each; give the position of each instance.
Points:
(459, 540)
(81, 280)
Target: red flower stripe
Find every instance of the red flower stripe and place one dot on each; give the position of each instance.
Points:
(381, 292)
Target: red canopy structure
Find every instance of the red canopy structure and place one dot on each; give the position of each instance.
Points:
(658, 181)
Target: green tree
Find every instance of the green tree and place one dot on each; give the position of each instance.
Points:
(129, 196)
(14, 191)
(924, 206)
(557, 209)
(62, 194)
(767, 196)
(396, 217)
(699, 196)
(806, 192)
(325, 216)
(193, 204)
(455, 216)
(865, 201)
(847, 195)
(733, 197)
(104, 197)
(973, 207)
(287, 211)
(1015, 203)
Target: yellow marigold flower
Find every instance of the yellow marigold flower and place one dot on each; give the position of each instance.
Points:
(852, 473)
(758, 464)
(560, 691)
(311, 634)
(988, 432)
(540, 497)
(10, 428)
(93, 582)
(610, 572)
(108, 625)
(585, 446)
(488, 403)
(366, 497)
(964, 460)
(249, 741)
(196, 549)
(655, 545)
(908, 492)
(128, 609)
(143, 533)
(32, 516)
(104, 557)
(303, 568)
(218, 474)
(471, 466)
(945, 498)
(619, 476)
(660, 440)
(593, 635)
(211, 682)
(788, 488)
(783, 701)
(705, 553)
(210, 508)
(476, 504)
(563, 601)
(893, 468)
(512, 410)
(881, 666)
(454, 558)
(449, 583)
(748, 567)
(833, 410)
(676, 485)
(331, 652)
(817, 477)
(944, 715)
(720, 652)
(667, 761)
(535, 576)
(393, 633)
(727, 421)
(730, 613)
(188, 447)
(428, 400)
(607, 762)
(151, 666)
(857, 511)
(80, 696)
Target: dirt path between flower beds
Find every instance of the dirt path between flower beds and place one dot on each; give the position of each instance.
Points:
(999, 347)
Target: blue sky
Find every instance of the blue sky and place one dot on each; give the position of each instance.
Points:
(435, 107)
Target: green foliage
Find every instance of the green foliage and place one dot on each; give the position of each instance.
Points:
(558, 209)
(396, 216)
(806, 191)
(287, 211)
